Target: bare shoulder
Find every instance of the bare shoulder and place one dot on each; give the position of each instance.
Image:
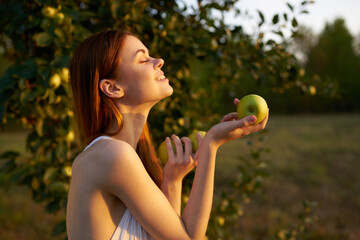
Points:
(104, 157)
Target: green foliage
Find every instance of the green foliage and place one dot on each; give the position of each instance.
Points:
(334, 59)
(306, 220)
(208, 64)
(236, 193)
(331, 65)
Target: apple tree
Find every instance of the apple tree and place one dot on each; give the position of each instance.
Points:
(208, 61)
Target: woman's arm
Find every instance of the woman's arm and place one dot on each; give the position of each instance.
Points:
(176, 168)
(125, 177)
(172, 191)
(198, 207)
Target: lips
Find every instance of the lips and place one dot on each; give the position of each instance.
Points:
(160, 76)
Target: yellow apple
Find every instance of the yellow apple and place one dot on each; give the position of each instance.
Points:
(48, 12)
(70, 136)
(59, 18)
(252, 105)
(163, 153)
(312, 90)
(55, 81)
(49, 175)
(64, 74)
(220, 220)
(195, 144)
(66, 170)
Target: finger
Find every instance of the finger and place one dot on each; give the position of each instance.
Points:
(199, 138)
(196, 156)
(178, 147)
(236, 101)
(242, 123)
(230, 117)
(264, 122)
(170, 150)
(188, 149)
(247, 121)
(260, 126)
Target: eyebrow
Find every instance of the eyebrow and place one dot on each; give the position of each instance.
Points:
(145, 51)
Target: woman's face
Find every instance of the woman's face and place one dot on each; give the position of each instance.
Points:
(140, 75)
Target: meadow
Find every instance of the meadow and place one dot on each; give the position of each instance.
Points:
(311, 157)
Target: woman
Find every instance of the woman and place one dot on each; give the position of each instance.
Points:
(118, 189)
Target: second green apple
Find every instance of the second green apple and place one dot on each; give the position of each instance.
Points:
(163, 153)
(195, 143)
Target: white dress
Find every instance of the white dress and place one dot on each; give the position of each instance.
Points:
(128, 228)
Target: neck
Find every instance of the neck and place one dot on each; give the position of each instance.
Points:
(133, 123)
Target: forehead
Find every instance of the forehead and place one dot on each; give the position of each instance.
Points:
(131, 46)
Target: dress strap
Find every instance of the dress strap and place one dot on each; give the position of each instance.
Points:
(96, 140)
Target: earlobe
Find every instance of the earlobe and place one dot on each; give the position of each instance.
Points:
(110, 88)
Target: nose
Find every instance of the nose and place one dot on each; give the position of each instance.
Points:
(159, 63)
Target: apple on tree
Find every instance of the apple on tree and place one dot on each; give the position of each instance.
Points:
(48, 12)
(252, 105)
(55, 81)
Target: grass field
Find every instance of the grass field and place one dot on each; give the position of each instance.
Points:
(312, 157)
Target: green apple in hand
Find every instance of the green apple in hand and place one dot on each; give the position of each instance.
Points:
(163, 153)
(195, 144)
(252, 105)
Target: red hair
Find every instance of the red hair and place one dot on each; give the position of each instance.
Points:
(95, 59)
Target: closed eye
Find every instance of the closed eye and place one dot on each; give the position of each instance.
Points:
(145, 60)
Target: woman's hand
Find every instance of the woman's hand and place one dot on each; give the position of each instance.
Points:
(231, 128)
(182, 160)
(180, 163)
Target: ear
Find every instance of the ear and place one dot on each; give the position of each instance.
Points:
(111, 88)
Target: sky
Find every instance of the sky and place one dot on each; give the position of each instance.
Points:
(320, 12)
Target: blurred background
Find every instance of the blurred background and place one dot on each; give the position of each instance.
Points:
(298, 179)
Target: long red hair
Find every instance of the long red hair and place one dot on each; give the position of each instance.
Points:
(95, 59)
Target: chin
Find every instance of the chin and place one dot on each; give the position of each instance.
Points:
(168, 90)
(168, 93)
(171, 90)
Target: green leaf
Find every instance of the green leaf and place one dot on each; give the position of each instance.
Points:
(59, 228)
(50, 174)
(261, 15)
(8, 167)
(290, 6)
(285, 16)
(5, 63)
(72, 13)
(6, 81)
(44, 72)
(275, 19)
(25, 70)
(270, 42)
(53, 205)
(39, 126)
(294, 23)
(84, 15)
(43, 39)
(9, 154)
(4, 97)
(279, 33)
(58, 188)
